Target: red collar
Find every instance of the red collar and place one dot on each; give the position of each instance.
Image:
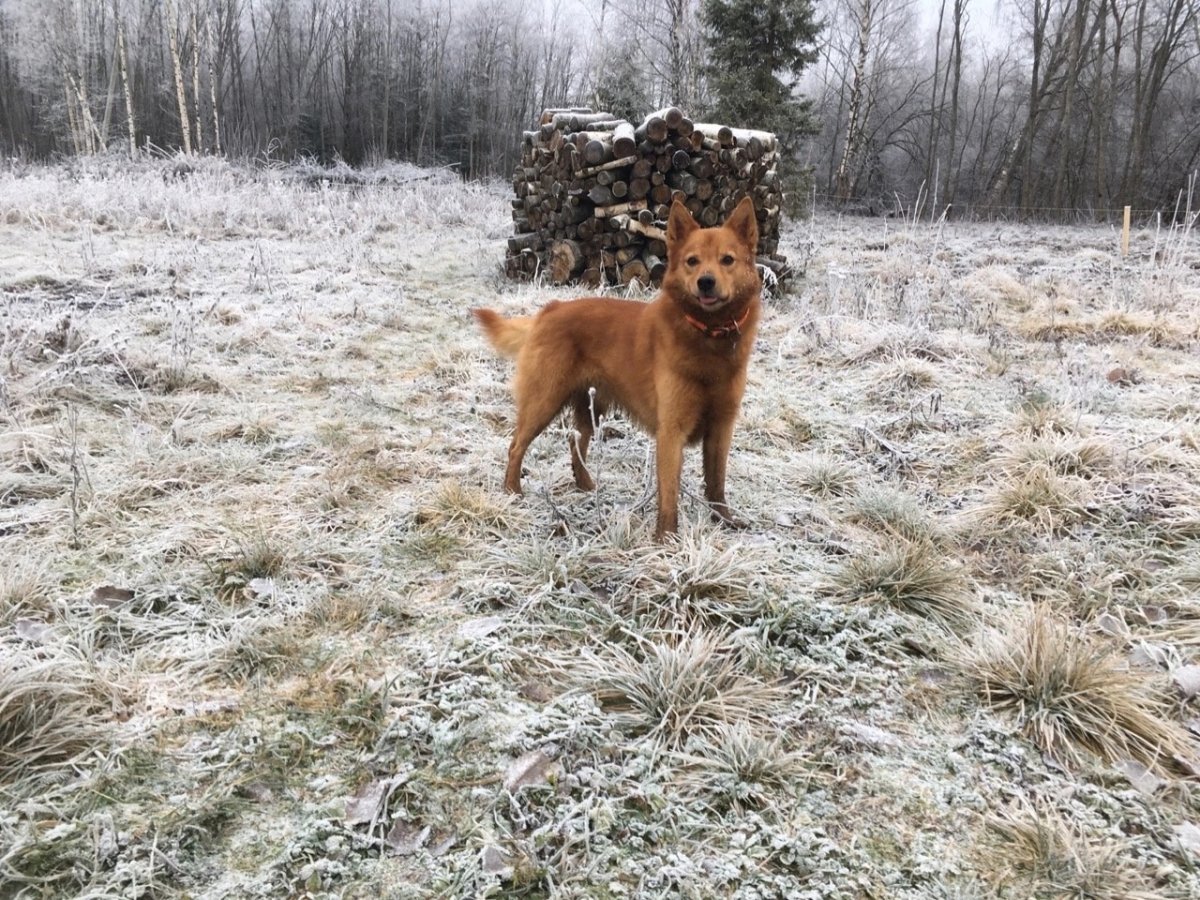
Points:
(720, 331)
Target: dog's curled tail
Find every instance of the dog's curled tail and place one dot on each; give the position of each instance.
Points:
(506, 335)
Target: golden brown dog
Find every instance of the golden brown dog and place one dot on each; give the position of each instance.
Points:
(676, 365)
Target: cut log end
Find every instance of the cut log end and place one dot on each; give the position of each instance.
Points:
(566, 261)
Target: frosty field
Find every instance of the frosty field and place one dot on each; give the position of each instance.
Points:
(270, 628)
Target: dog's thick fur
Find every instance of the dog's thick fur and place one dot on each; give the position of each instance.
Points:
(676, 365)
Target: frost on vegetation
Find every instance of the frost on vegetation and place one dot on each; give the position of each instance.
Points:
(332, 658)
(1070, 694)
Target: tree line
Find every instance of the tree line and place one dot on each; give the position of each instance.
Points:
(1038, 106)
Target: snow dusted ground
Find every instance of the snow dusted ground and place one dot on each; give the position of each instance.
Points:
(268, 626)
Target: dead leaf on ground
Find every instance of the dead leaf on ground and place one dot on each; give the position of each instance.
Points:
(1148, 656)
(474, 629)
(261, 588)
(33, 630)
(1188, 835)
(1188, 680)
(1122, 376)
(537, 692)
(534, 768)
(367, 803)
(494, 861)
(111, 596)
(406, 838)
(862, 733)
(1143, 780)
(1113, 625)
(1154, 615)
(255, 791)
(441, 841)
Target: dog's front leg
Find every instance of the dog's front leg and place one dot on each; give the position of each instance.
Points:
(669, 466)
(717, 440)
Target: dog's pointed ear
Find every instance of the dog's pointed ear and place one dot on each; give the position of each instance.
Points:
(680, 223)
(743, 223)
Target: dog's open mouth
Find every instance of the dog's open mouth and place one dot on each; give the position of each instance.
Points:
(708, 301)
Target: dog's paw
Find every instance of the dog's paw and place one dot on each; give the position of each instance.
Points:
(724, 517)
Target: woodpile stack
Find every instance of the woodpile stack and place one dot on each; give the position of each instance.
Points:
(593, 193)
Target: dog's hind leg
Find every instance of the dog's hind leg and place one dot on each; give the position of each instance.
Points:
(535, 410)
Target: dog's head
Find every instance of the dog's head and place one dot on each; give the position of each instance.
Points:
(710, 269)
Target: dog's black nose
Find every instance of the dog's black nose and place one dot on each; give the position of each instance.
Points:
(706, 283)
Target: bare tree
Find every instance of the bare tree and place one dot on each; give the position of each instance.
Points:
(171, 23)
(863, 12)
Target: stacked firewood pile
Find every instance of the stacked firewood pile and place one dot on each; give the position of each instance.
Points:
(593, 193)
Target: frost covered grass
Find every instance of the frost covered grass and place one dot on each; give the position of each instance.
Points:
(1070, 694)
(269, 626)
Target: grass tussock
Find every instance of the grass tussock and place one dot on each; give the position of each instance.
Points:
(1065, 456)
(1036, 497)
(254, 558)
(893, 513)
(1112, 324)
(1072, 695)
(679, 688)
(454, 503)
(912, 576)
(24, 589)
(701, 579)
(51, 712)
(738, 768)
(1050, 858)
(1038, 414)
(825, 478)
(904, 376)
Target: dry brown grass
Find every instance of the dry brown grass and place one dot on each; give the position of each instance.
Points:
(674, 689)
(24, 588)
(1106, 326)
(1051, 858)
(454, 503)
(1036, 497)
(51, 712)
(825, 477)
(894, 513)
(1072, 695)
(738, 767)
(1063, 455)
(699, 580)
(913, 576)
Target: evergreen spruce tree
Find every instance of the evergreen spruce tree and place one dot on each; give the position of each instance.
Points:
(757, 50)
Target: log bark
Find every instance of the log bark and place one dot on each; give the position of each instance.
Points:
(653, 129)
(624, 140)
(616, 209)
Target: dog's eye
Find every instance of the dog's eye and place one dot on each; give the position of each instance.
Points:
(727, 260)
(693, 260)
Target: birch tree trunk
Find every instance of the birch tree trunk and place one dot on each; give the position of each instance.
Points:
(212, 81)
(935, 112)
(123, 63)
(950, 184)
(864, 16)
(194, 35)
(185, 127)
